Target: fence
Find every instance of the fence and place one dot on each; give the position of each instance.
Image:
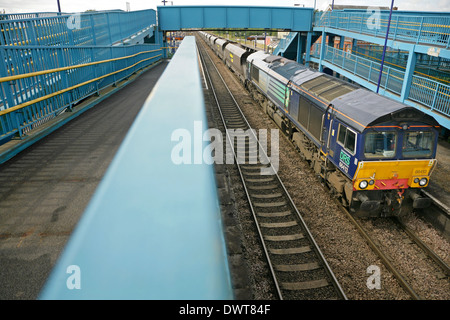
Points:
(45, 81)
(85, 29)
(284, 43)
(426, 91)
(417, 29)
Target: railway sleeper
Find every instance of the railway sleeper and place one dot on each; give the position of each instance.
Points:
(297, 267)
(313, 284)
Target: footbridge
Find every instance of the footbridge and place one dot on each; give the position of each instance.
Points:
(415, 67)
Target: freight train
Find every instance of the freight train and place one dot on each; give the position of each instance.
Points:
(374, 153)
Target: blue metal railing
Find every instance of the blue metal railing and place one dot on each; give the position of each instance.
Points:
(27, 15)
(431, 93)
(44, 81)
(284, 43)
(78, 29)
(426, 66)
(153, 228)
(417, 29)
(428, 92)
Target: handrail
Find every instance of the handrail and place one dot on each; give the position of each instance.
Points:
(39, 73)
(416, 28)
(402, 67)
(32, 98)
(153, 222)
(80, 29)
(28, 103)
(428, 92)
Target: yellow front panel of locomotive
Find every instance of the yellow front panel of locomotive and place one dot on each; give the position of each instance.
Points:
(384, 173)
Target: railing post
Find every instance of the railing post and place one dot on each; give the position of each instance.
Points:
(18, 126)
(94, 40)
(361, 24)
(32, 37)
(65, 77)
(8, 87)
(435, 95)
(94, 71)
(396, 28)
(109, 29)
(387, 78)
(332, 57)
(112, 66)
(420, 30)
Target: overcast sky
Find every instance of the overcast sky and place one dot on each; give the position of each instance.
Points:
(16, 6)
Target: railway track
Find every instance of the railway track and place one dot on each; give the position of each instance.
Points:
(297, 266)
(389, 262)
(427, 250)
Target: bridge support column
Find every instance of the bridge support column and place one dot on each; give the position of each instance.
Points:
(300, 47)
(308, 48)
(409, 72)
(341, 47)
(322, 50)
(354, 44)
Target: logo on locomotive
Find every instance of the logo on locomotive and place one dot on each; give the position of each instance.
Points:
(344, 161)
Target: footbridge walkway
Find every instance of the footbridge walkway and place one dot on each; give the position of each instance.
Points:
(415, 69)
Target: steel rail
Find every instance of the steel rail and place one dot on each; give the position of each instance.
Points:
(386, 260)
(428, 251)
(291, 204)
(272, 271)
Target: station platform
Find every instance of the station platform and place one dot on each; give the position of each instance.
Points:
(45, 188)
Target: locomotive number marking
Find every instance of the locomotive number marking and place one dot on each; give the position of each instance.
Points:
(343, 167)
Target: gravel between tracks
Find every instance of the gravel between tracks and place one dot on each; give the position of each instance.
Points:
(346, 251)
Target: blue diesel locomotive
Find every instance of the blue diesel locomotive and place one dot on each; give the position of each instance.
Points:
(373, 152)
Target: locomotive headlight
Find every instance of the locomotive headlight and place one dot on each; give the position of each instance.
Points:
(423, 182)
(363, 184)
(416, 180)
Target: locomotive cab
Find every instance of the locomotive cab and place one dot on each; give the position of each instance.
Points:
(387, 158)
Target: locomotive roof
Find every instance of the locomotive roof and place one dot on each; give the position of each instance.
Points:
(362, 108)
(286, 68)
(258, 60)
(359, 108)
